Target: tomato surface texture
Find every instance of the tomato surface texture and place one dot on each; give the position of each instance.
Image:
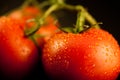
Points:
(91, 55)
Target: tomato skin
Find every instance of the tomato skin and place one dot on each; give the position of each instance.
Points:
(23, 14)
(18, 54)
(91, 55)
(47, 31)
(29, 12)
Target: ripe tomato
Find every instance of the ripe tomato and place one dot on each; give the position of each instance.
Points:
(29, 12)
(23, 14)
(26, 13)
(91, 55)
(46, 31)
(18, 54)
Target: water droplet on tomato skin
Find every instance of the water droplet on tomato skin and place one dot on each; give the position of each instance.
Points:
(3, 39)
(100, 38)
(106, 60)
(107, 54)
(59, 57)
(93, 65)
(50, 58)
(66, 64)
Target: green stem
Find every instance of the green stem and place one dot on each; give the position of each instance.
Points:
(59, 4)
(51, 2)
(44, 4)
(80, 22)
(28, 2)
(32, 30)
(87, 15)
(91, 20)
(56, 1)
(41, 21)
(50, 10)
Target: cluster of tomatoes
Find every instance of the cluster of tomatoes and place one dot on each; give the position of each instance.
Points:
(92, 54)
(18, 53)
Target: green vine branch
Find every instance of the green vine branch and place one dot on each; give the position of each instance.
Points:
(60, 4)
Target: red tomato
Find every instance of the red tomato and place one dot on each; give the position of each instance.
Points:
(18, 54)
(23, 14)
(45, 31)
(26, 13)
(91, 55)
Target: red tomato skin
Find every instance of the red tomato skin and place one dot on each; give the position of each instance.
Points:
(18, 54)
(46, 31)
(91, 55)
(25, 13)
(21, 15)
(29, 12)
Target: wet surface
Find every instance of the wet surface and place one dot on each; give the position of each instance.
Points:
(106, 12)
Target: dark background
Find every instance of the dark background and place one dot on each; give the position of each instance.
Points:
(106, 11)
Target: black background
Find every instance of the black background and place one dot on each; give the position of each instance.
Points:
(106, 11)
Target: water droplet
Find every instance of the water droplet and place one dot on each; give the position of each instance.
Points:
(80, 68)
(59, 57)
(65, 48)
(97, 44)
(105, 72)
(50, 58)
(115, 53)
(4, 39)
(99, 38)
(106, 60)
(107, 49)
(66, 63)
(93, 65)
(106, 54)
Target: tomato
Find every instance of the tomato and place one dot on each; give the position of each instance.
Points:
(46, 31)
(23, 14)
(90, 55)
(18, 54)
(29, 12)
(26, 13)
